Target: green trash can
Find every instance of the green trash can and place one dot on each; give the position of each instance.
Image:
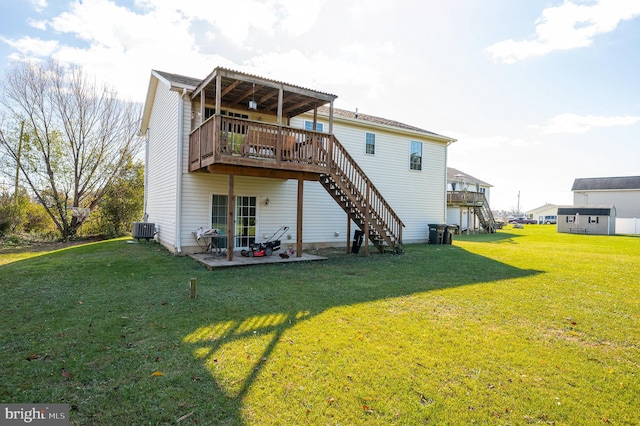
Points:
(436, 233)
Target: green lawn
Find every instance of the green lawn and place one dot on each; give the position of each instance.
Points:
(525, 326)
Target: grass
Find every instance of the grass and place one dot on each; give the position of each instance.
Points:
(525, 326)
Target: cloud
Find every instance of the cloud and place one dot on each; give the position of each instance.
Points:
(568, 26)
(120, 45)
(319, 71)
(238, 20)
(483, 143)
(573, 123)
(39, 5)
(30, 46)
(40, 25)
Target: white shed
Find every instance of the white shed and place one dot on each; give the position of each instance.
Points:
(597, 220)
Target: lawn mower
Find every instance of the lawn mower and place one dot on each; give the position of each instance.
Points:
(268, 247)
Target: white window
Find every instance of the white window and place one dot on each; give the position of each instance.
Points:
(415, 156)
(370, 143)
(308, 125)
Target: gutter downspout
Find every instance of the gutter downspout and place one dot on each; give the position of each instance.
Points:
(179, 173)
(146, 174)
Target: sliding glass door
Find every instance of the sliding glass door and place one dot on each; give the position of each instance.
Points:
(245, 221)
(245, 217)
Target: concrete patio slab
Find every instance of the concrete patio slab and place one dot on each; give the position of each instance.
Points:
(215, 260)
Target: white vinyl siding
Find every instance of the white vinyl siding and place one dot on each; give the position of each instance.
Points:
(161, 167)
(417, 198)
(627, 202)
(281, 211)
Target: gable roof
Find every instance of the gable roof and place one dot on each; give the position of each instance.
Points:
(547, 206)
(455, 175)
(177, 80)
(606, 183)
(236, 91)
(238, 88)
(351, 115)
(587, 210)
(173, 82)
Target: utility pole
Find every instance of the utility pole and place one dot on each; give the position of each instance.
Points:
(518, 212)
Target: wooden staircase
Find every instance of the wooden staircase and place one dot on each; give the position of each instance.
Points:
(355, 193)
(478, 202)
(485, 216)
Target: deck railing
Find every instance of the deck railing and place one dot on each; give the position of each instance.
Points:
(382, 215)
(227, 140)
(480, 205)
(465, 198)
(221, 138)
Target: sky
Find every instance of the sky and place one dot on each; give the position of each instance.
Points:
(537, 93)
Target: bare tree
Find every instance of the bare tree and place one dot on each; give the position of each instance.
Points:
(77, 135)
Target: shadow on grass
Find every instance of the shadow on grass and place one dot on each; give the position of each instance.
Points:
(498, 237)
(236, 308)
(278, 298)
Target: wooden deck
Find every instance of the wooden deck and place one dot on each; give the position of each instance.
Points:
(232, 146)
(465, 198)
(228, 145)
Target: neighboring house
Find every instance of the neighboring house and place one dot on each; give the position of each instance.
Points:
(547, 214)
(246, 155)
(597, 220)
(468, 202)
(621, 192)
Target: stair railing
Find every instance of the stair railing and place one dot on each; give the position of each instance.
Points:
(377, 212)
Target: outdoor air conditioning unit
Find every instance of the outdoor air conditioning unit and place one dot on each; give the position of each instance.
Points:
(144, 230)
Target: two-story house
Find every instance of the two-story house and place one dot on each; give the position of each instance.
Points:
(246, 155)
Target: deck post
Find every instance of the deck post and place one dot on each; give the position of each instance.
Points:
(299, 218)
(218, 94)
(202, 101)
(231, 226)
(348, 234)
(279, 146)
(367, 217)
(315, 119)
(280, 102)
(331, 117)
(199, 147)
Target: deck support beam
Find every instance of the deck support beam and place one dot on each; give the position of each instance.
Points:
(231, 217)
(368, 218)
(299, 218)
(348, 234)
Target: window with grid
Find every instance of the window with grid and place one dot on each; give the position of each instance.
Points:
(370, 143)
(245, 221)
(415, 156)
(308, 125)
(219, 216)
